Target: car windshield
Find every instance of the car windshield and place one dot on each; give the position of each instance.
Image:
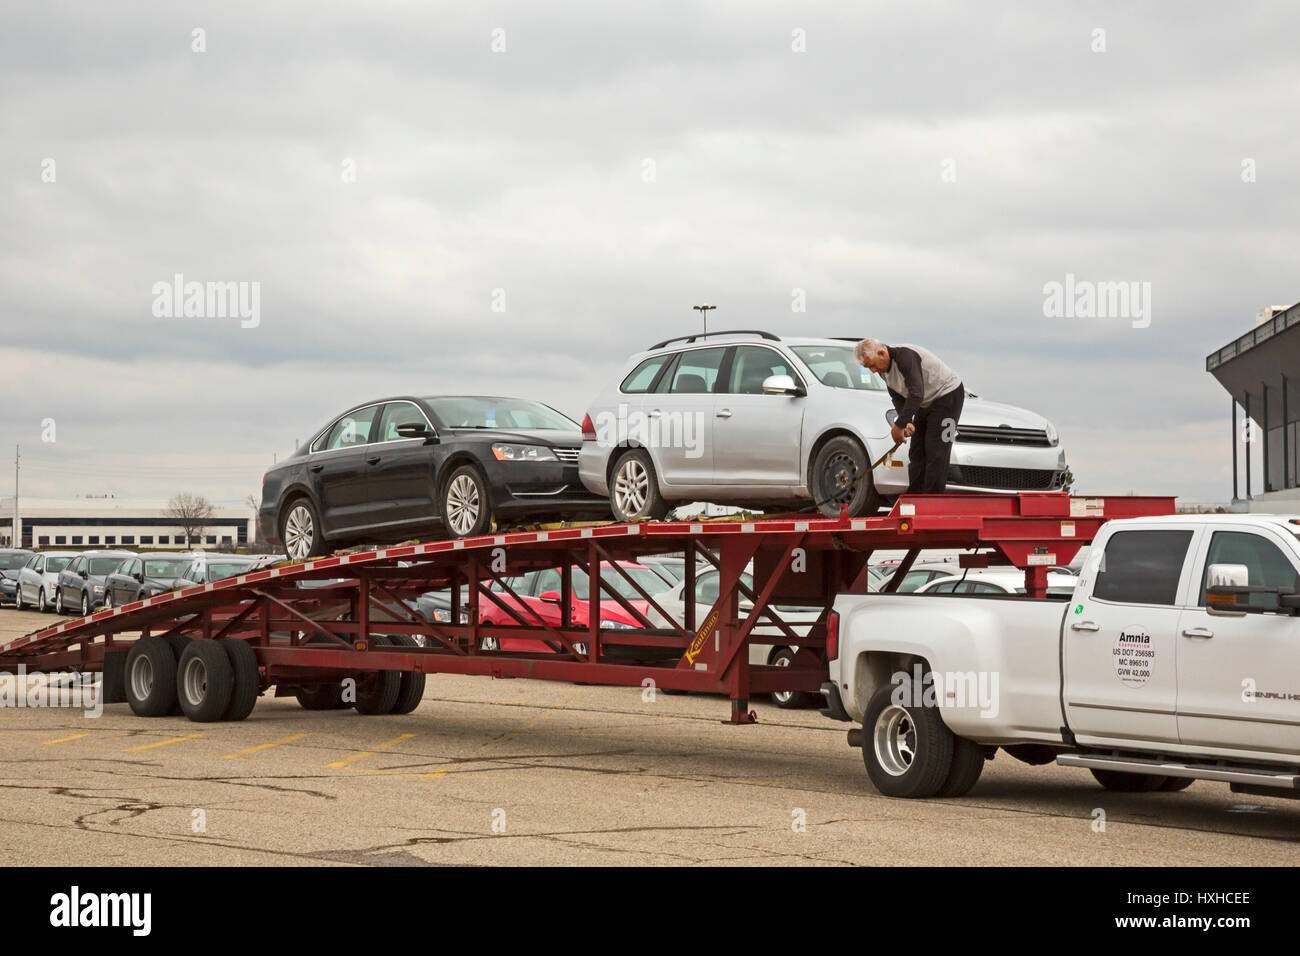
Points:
(675, 570)
(225, 569)
(499, 413)
(164, 567)
(10, 561)
(650, 582)
(834, 365)
(104, 565)
(56, 564)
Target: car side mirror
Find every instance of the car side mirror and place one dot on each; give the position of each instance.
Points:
(84, 574)
(417, 430)
(551, 597)
(781, 385)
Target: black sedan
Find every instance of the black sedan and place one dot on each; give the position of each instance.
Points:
(144, 576)
(11, 561)
(401, 468)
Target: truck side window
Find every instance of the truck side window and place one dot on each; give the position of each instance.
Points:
(1265, 563)
(1142, 567)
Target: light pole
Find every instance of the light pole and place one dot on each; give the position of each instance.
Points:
(704, 313)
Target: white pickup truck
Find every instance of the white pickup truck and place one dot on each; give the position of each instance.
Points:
(1177, 658)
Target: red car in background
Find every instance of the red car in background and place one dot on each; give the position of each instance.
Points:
(539, 593)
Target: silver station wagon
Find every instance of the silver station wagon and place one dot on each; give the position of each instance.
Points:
(778, 423)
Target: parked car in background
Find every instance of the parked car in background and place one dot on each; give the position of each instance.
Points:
(81, 584)
(673, 566)
(539, 597)
(11, 562)
(206, 567)
(403, 467)
(144, 575)
(39, 578)
(800, 620)
(772, 422)
(435, 606)
(918, 575)
(996, 581)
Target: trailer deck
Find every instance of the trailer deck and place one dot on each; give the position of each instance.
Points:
(318, 621)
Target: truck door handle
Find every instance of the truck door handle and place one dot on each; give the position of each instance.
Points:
(372, 460)
(725, 413)
(1198, 632)
(1085, 626)
(317, 469)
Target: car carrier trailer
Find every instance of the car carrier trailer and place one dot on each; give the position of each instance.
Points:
(303, 628)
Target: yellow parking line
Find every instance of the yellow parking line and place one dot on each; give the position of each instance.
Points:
(63, 740)
(161, 743)
(366, 753)
(252, 750)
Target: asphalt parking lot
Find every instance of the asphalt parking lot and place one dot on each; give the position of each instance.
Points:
(524, 772)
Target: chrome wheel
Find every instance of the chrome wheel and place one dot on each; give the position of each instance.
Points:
(463, 504)
(141, 678)
(894, 740)
(85, 605)
(194, 681)
(108, 600)
(299, 533)
(782, 696)
(631, 486)
(40, 602)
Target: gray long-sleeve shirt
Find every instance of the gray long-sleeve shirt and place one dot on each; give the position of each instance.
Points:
(915, 378)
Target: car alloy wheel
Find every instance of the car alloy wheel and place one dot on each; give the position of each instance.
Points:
(40, 602)
(299, 533)
(894, 740)
(463, 504)
(108, 598)
(631, 486)
(85, 605)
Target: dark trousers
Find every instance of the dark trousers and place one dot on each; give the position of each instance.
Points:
(931, 446)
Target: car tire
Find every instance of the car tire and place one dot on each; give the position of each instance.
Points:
(790, 699)
(320, 696)
(634, 489)
(18, 599)
(205, 680)
(300, 530)
(907, 748)
(85, 604)
(150, 677)
(967, 765)
(410, 690)
(466, 505)
(837, 464)
(58, 600)
(42, 604)
(108, 599)
(1128, 782)
(248, 680)
(377, 690)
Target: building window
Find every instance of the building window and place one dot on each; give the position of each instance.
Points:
(76, 539)
(60, 539)
(146, 539)
(45, 539)
(162, 539)
(212, 539)
(225, 539)
(128, 539)
(110, 539)
(94, 539)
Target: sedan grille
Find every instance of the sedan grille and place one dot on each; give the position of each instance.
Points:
(1003, 435)
(567, 455)
(1005, 479)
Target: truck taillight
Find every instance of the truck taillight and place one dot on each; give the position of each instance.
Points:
(588, 429)
(832, 635)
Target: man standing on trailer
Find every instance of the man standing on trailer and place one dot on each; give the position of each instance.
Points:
(928, 397)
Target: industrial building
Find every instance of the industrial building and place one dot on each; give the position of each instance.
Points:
(115, 522)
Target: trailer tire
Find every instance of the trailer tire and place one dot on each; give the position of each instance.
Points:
(1128, 782)
(205, 681)
(178, 643)
(248, 680)
(967, 765)
(790, 699)
(907, 748)
(150, 677)
(320, 697)
(377, 691)
(411, 687)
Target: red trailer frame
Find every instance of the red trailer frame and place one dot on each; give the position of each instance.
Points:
(309, 635)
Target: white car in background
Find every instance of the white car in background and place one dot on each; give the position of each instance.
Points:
(38, 579)
(996, 581)
(771, 422)
(800, 619)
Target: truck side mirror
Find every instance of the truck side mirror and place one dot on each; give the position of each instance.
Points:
(1228, 593)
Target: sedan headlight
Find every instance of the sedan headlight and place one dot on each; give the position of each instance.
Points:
(523, 453)
(614, 626)
(1051, 433)
(97, 589)
(440, 615)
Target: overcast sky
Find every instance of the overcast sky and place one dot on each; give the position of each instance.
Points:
(920, 171)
